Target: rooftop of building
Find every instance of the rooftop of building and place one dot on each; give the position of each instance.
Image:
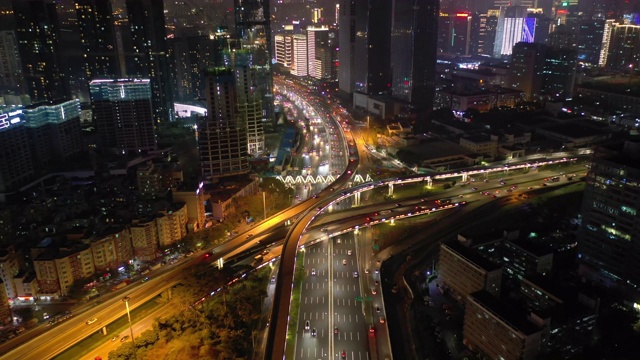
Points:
(218, 71)
(574, 130)
(534, 248)
(461, 125)
(49, 103)
(625, 153)
(437, 148)
(471, 256)
(478, 138)
(119, 81)
(516, 318)
(567, 296)
(621, 85)
(227, 187)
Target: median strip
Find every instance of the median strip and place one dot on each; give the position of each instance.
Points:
(294, 308)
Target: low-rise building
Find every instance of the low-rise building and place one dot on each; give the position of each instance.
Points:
(111, 247)
(520, 257)
(172, 224)
(463, 272)
(195, 201)
(9, 268)
(480, 144)
(144, 238)
(221, 197)
(74, 263)
(26, 285)
(47, 274)
(574, 135)
(498, 330)
(5, 309)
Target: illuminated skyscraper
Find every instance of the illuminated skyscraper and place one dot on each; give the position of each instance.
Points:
(488, 24)
(316, 37)
(609, 239)
(54, 132)
(222, 136)
(284, 50)
(250, 112)
(589, 41)
(191, 55)
(37, 31)
(122, 114)
(513, 27)
(98, 39)
(253, 27)
(454, 33)
(364, 56)
(16, 166)
(413, 53)
(11, 78)
(620, 46)
(151, 57)
(300, 63)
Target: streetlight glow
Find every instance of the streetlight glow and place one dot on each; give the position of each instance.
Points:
(125, 300)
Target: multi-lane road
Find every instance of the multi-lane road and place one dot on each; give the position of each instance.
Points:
(331, 320)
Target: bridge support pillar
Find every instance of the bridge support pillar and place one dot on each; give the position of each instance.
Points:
(356, 200)
(390, 189)
(429, 182)
(464, 177)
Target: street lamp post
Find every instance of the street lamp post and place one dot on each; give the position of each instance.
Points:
(125, 300)
(264, 204)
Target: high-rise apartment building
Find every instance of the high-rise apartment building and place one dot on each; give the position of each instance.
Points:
(54, 131)
(11, 79)
(284, 50)
(608, 240)
(37, 32)
(222, 137)
(151, 56)
(191, 55)
(253, 27)
(300, 62)
(16, 165)
(620, 46)
(122, 114)
(412, 54)
(250, 110)
(98, 39)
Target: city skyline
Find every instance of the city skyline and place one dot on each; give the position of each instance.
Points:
(483, 152)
